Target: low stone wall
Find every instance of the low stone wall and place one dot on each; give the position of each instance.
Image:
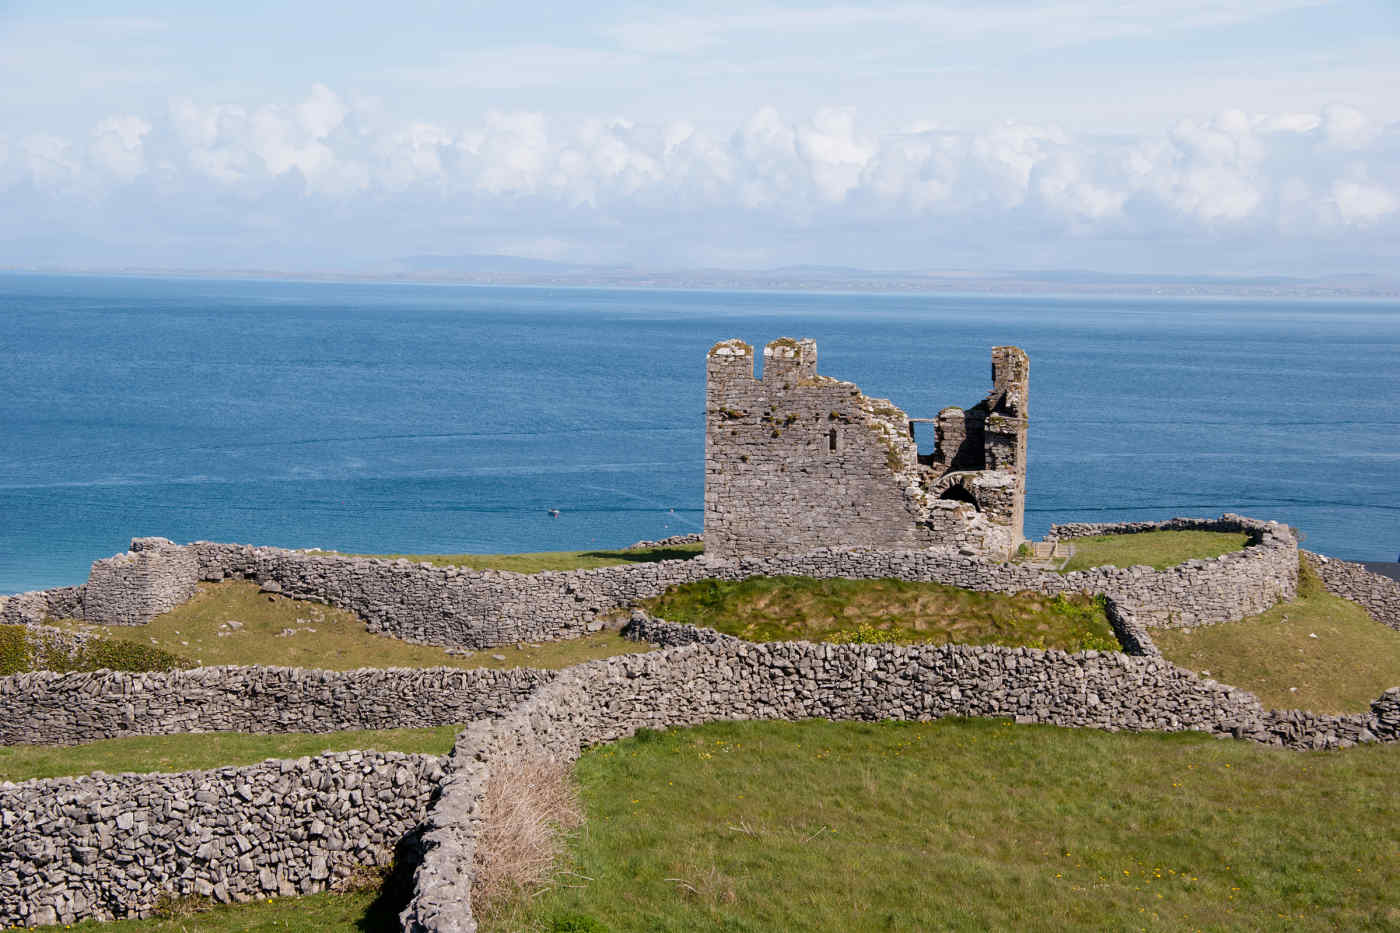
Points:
(111, 846)
(693, 537)
(720, 678)
(32, 608)
(44, 708)
(454, 606)
(1379, 595)
(479, 609)
(1226, 523)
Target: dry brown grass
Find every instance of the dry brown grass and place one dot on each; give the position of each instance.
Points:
(531, 804)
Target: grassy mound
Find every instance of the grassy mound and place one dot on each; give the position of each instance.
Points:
(19, 653)
(972, 825)
(1319, 652)
(208, 750)
(1156, 549)
(791, 608)
(554, 560)
(321, 636)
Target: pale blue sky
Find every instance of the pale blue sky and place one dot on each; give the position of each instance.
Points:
(1174, 135)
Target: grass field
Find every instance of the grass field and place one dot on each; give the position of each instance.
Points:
(1318, 652)
(1156, 549)
(207, 750)
(954, 825)
(553, 560)
(359, 911)
(973, 825)
(325, 637)
(787, 608)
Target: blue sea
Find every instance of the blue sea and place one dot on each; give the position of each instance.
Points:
(427, 418)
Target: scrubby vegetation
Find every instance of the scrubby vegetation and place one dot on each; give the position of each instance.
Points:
(1318, 652)
(554, 560)
(1156, 549)
(208, 750)
(790, 608)
(20, 651)
(295, 633)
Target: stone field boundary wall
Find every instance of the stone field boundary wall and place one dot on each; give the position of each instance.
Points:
(1379, 595)
(112, 846)
(717, 677)
(453, 606)
(49, 869)
(44, 708)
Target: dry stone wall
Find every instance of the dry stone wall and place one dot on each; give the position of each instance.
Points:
(1379, 595)
(133, 588)
(112, 846)
(63, 602)
(719, 678)
(45, 708)
(154, 576)
(455, 606)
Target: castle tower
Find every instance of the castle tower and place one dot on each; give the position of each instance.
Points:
(795, 460)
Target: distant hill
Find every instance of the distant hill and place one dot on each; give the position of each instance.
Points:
(488, 264)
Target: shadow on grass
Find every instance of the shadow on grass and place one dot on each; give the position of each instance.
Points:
(647, 556)
(382, 915)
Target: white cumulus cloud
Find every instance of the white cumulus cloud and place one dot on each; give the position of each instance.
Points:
(611, 188)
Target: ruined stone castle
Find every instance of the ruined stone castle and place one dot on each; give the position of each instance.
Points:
(795, 460)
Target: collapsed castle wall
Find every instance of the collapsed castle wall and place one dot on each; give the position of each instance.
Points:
(795, 460)
(456, 606)
(154, 576)
(44, 708)
(113, 846)
(37, 606)
(720, 678)
(133, 588)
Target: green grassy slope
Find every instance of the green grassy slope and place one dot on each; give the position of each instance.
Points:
(1318, 652)
(1156, 549)
(208, 750)
(554, 560)
(325, 637)
(786, 608)
(974, 825)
